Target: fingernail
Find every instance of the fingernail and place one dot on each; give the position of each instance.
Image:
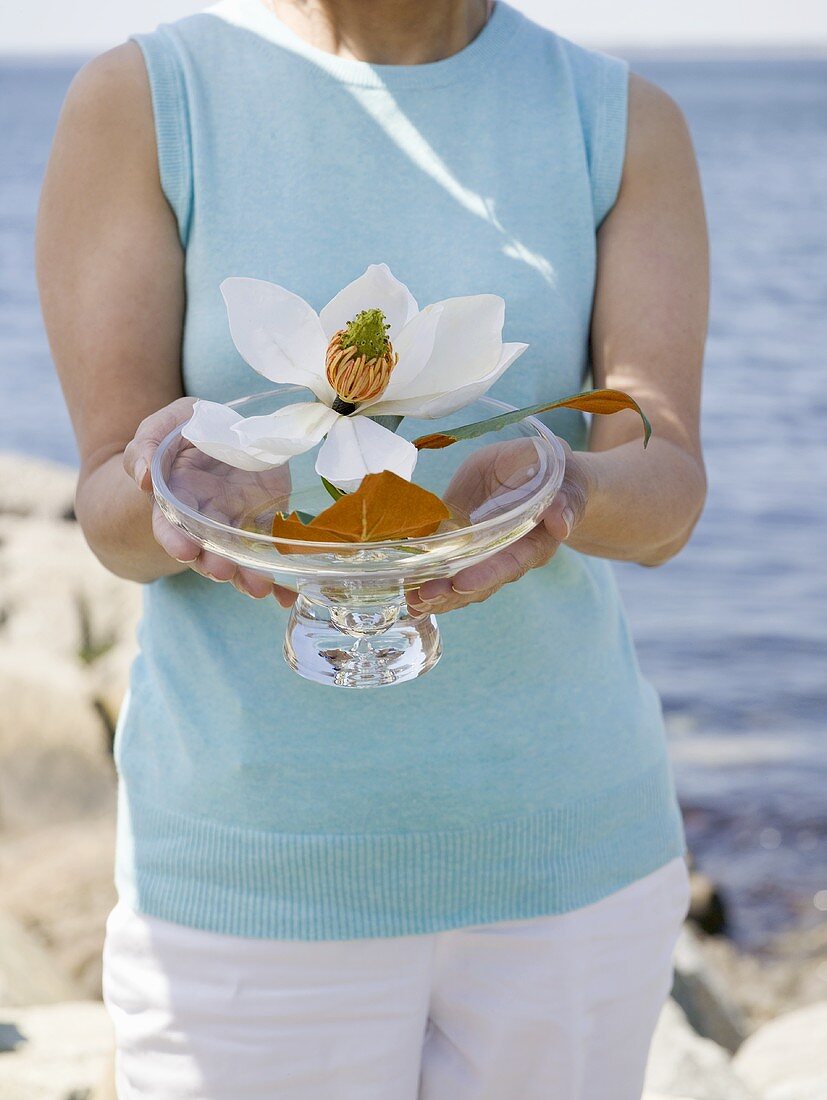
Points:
(141, 469)
(567, 516)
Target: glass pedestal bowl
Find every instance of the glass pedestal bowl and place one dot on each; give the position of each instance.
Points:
(350, 626)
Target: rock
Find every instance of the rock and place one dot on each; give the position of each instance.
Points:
(110, 679)
(707, 908)
(28, 973)
(57, 883)
(36, 487)
(663, 1096)
(814, 1089)
(57, 597)
(786, 1059)
(702, 995)
(64, 1050)
(54, 762)
(105, 1088)
(789, 972)
(683, 1064)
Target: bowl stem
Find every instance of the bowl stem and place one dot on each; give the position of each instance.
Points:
(349, 636)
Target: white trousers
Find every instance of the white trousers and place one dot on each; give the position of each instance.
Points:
(552, 1008)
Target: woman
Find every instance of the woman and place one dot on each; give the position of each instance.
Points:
(470, 886)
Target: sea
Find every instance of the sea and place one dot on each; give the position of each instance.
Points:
(733, 632)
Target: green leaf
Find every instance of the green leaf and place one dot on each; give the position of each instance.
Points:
(389, 422)
(331, 488)
(602, 402)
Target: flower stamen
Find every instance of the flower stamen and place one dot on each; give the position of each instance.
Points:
(359, 360)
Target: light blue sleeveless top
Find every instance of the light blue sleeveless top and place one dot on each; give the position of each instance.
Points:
(526, 774)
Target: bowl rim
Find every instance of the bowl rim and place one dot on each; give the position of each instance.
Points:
(432, 541)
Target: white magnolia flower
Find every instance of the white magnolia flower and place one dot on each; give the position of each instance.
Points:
(370, 352)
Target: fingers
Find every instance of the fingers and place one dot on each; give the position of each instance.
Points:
(181, 547)
(560, 519)
(212, 566)
(252, 583)
(249, 582)
(479, 582)
(529, 552)
(259, 587)
(173, 540)
(284, 596)
(151, 431)
(569, 506)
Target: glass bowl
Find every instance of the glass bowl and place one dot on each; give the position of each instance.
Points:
(349, 625)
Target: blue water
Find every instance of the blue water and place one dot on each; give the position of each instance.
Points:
(734, 631)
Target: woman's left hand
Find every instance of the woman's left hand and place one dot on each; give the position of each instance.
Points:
(538, 547)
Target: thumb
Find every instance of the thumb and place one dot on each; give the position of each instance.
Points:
(150, 433)
(568, 508)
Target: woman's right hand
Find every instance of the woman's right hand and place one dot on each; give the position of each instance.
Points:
(176, 543)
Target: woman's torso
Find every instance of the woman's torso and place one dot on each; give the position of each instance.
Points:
(487, 172)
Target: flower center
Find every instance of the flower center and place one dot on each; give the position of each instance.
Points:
(359, 360)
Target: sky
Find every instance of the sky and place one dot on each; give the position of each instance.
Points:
(84, 26)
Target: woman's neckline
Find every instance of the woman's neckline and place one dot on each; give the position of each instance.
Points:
(256, 16)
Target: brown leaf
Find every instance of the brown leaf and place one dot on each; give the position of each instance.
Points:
(434, 442)
(383, 508)
(291, 527)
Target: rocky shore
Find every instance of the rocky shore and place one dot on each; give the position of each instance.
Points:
(738, 1027)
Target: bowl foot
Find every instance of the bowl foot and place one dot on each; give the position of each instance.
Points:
(362, 647)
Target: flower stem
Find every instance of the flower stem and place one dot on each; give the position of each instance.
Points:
(342, 406)
(337, 494)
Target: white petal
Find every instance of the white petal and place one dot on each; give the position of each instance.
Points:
(288, 431)
(376, 288)
(433, 405)
(467, 348)
(278, 333)
(210, 429)
(357, 445)
(414, 346)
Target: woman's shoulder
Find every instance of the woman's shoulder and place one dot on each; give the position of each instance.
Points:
(103, 159)
(107, 117)
(652, 111)
(658, 139)
(109, 104)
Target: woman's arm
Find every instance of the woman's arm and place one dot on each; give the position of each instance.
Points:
(648, 333)
(110, 271)
(111, 275)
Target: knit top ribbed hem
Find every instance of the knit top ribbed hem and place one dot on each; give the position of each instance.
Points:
(278, 885)
(502, 25)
